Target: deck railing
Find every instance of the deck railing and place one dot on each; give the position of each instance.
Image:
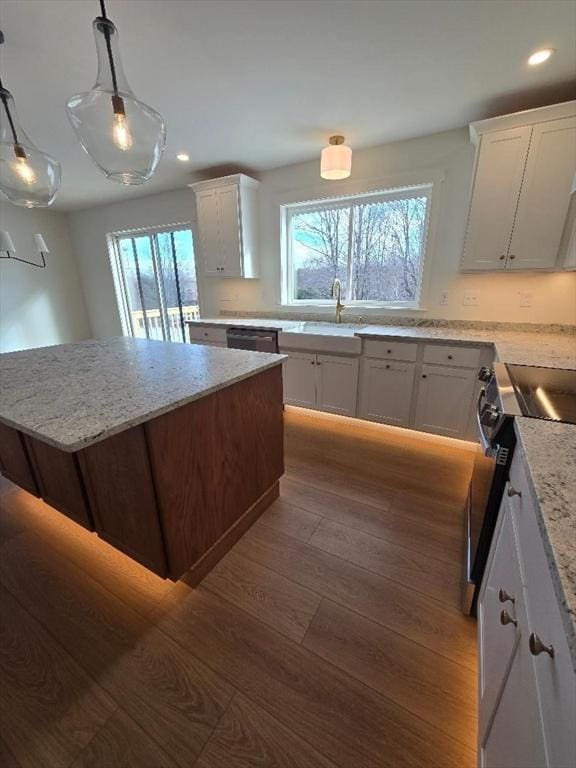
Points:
(154, 320)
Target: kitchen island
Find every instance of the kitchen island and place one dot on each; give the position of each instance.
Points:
(167, 451)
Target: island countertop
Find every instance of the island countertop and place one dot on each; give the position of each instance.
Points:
(74, 395)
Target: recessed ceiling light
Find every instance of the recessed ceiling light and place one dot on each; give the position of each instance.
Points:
(539, 57)
(183, 157)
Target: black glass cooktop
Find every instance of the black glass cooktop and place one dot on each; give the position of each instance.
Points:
(545, 393)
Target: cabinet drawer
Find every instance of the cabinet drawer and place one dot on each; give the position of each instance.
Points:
(440, 354)
(393, 350)
(206, 333)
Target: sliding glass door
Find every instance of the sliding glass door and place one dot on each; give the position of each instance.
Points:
(156, 274)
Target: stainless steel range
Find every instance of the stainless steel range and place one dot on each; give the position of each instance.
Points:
(508, 391)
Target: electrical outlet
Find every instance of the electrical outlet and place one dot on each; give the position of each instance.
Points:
(444, 298)
(525, 298)
(470, 299)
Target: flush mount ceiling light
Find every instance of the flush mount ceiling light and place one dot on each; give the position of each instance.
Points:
(123, 136)
(539, 57)
(28, 176)
(183, 157)
(336, 159)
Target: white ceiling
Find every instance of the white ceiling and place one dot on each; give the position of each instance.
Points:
(263, 83)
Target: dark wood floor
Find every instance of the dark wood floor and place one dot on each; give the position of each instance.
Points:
(329, 636)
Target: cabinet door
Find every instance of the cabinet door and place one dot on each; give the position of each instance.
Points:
(496, 188)
(299, 372)
(208, 230)
(337, 384)
(14, 460)
(515, 737)
(386, 391)
(545, 196)
(444, 400)
(497, 642)
(229, 230)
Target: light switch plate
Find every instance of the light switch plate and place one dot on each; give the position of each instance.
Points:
(525, 298)
(444, 298)
(470, 299)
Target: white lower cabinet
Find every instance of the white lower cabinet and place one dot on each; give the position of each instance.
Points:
(527, 712)
(299, 372)
(323, 382)
(336, 384)
(444, 400)
(386, 393)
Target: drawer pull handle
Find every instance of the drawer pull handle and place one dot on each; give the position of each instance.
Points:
(513, 492)
(504, 597)
(537, 646)
(505, 619)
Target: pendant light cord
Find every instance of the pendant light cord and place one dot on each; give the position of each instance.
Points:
(106, 32)
(4, 99)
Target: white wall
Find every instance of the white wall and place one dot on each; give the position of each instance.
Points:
(39, 307)
(553, 294)
(89, 229)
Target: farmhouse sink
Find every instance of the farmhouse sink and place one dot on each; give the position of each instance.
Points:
(322, 337)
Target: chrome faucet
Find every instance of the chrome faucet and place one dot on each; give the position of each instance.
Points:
(336, 293)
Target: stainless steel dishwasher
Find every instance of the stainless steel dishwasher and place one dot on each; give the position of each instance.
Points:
(255, 339)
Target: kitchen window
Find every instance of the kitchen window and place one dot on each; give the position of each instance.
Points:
(374, 244)
(156, 283)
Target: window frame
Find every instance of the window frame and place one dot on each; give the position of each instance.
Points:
(400, 187)
(120, 286)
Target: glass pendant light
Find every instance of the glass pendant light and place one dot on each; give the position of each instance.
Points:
(336, 159)
(28, 177)
(123, 136)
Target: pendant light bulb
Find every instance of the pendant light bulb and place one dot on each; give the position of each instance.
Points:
(121, 130)
(123, 136)
(28, 176)
(22, 167)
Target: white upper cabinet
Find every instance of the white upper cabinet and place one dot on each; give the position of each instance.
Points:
(226, 211)
(545, 195)
(523, 175)
(497, 181)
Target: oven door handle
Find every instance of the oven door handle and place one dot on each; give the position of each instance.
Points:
(483, 439)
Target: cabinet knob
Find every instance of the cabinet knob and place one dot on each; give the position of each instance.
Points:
(450, 357)
(424, 375)
(388, 351)
(387, 365)
(505, 619)
(512, 491)
(512, 256)
(502, 257)
(537, 646)
(504, 597)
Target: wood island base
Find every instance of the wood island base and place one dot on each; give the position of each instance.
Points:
(176, 492)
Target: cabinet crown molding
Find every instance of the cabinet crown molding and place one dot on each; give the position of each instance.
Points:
(240, 179)
(518, 119)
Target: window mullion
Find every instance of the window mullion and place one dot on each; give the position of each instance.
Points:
(178, 293)
(350, 292)
(140, 291)
(123, 288)
(159, 277)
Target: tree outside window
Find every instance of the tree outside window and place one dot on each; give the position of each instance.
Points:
(374, 245)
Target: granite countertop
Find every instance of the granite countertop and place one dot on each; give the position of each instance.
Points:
(74, 395)
(260, 324)
(550, 459)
